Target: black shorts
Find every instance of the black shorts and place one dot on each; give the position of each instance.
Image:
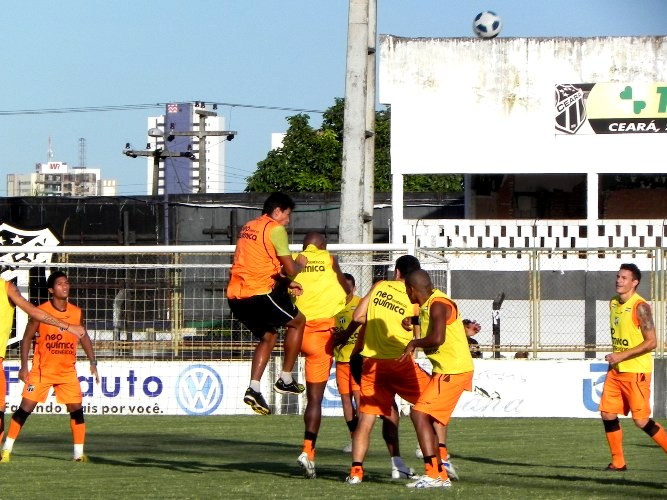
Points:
(264, 313)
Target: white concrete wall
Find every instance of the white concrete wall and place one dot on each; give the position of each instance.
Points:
(464, 105)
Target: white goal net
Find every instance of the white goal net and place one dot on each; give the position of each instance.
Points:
(162, 330)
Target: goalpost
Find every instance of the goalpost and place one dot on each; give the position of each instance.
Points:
(161, 326)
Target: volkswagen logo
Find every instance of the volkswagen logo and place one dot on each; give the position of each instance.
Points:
(199, 390)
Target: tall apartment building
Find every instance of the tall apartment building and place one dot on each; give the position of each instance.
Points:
(180, 135)
(56, 178)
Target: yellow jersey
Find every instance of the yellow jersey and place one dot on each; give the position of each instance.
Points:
(626, 334)
(453, 356)
(385, 337)
(323, 297)
(6, 317)
(343, 319)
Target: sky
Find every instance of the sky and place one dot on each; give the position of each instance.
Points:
(261, 60)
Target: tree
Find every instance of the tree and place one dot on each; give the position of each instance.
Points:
(310, 160)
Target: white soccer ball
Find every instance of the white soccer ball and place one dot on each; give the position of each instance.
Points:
(487, 24)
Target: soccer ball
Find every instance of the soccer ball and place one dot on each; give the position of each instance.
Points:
(487, 24)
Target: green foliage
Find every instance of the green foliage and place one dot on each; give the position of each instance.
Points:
(310, 160)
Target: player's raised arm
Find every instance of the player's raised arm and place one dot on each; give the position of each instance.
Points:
(39, 314)
(362, 309)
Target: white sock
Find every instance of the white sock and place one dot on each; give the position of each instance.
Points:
(398, 463)
(78, 451)
(9, 444)
(254, 385)
(287, 377)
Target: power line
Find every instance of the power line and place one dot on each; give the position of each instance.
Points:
(132, 107)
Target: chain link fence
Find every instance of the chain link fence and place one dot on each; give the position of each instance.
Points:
(170, 304)
(554, 303)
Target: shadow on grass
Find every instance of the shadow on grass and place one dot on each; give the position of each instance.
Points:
(507, 463)
(604, 478)
(272, 468)
(198, 456)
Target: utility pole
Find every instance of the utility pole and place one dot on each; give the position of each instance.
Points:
(357, 185)
(158, 154)
(202, 134)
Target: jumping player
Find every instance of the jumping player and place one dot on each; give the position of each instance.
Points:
(259, 294)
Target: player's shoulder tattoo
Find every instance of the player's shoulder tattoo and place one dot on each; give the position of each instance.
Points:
(645, 316)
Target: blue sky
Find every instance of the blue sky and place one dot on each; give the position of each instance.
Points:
(257, 54)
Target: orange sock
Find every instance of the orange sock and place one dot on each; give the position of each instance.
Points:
(78, 432)
(615, 440)
(309, 449)
(433, 468)
(14, 429)
(357, 471)
(444, 454)
(657, 433)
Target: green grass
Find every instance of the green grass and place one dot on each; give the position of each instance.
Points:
(255, 457)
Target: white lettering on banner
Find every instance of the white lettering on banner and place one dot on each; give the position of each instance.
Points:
(484, 405)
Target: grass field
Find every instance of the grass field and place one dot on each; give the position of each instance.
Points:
(255, 457)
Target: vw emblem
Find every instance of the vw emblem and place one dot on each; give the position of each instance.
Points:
(199, 390)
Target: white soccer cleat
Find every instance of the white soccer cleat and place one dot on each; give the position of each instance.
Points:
(402, 473)
(429, 482)
(348, 448)
(451, 471)
(307, 465)
(353, 479)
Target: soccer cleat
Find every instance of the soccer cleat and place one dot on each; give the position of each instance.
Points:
(425, 482)
(613, 468)
(429, 482)
(307, 465)
(6, 456)
(82, 458)
(451, 471)
(347, 448)
(402, 473)
(291, 388)
(353, 480)
(256, 401)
